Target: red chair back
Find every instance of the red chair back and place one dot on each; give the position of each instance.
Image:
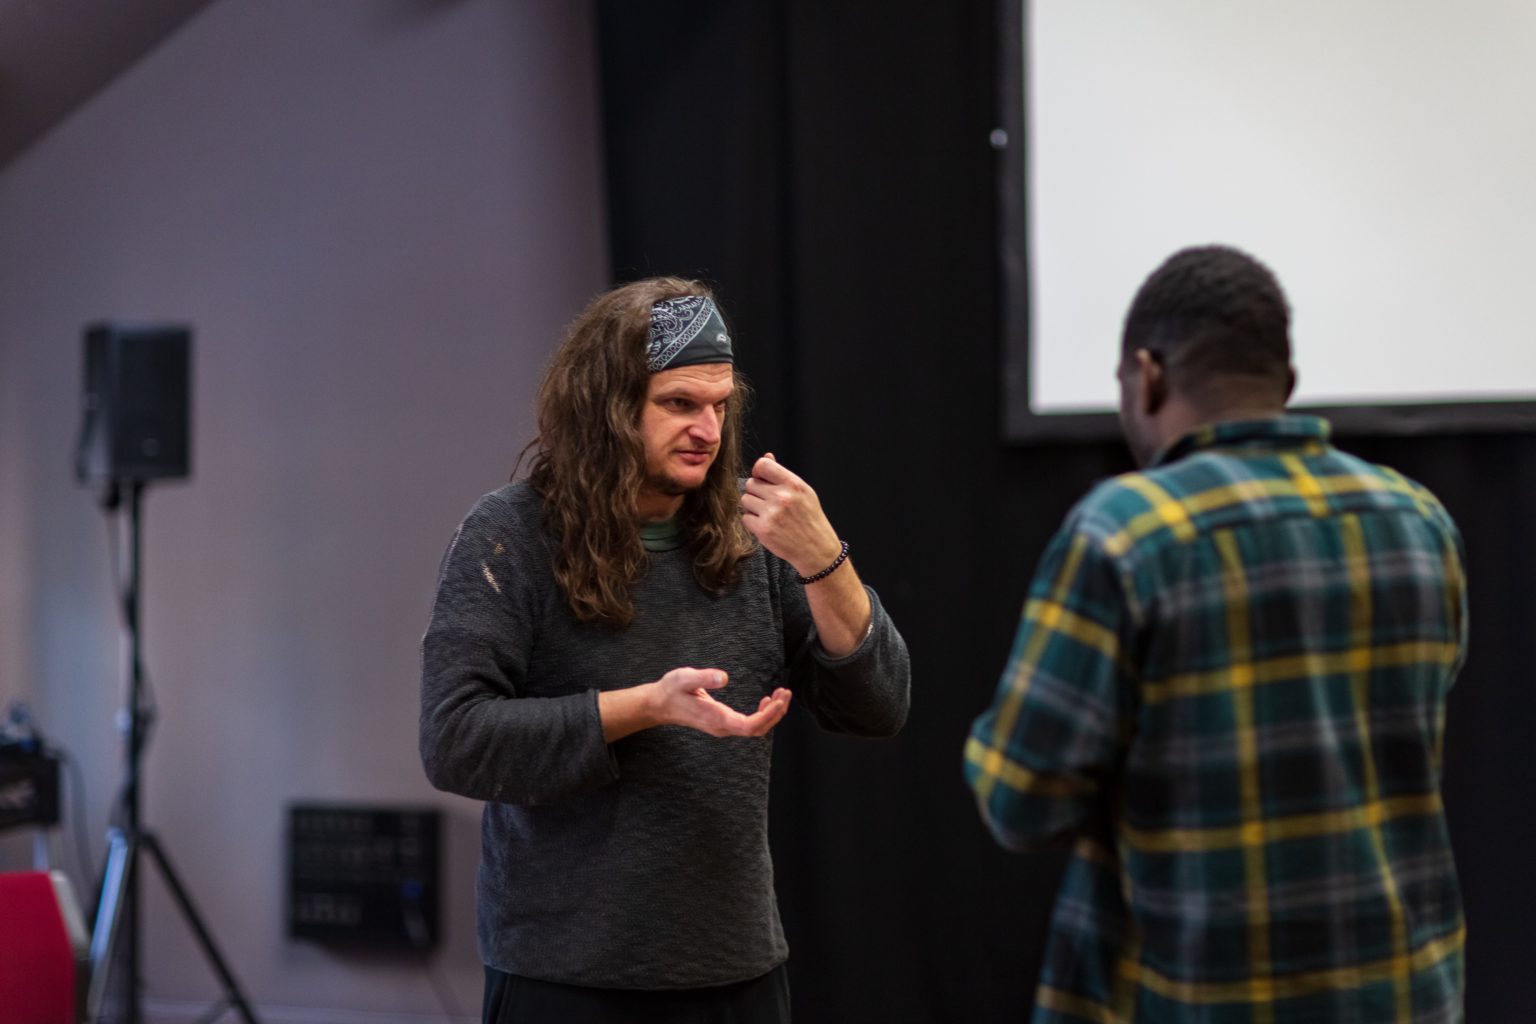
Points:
(37, 963)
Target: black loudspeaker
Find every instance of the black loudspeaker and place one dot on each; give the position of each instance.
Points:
(137, 397)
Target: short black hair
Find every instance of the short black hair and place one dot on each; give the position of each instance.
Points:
(1212, 311)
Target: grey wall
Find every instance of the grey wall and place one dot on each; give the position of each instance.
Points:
(377, 214)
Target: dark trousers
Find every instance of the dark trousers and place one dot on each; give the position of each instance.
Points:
(511, 999)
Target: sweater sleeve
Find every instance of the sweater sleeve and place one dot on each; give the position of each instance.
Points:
(864, 693)
(482, 736)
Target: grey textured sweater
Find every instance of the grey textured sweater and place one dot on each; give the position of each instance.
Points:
(644, 863)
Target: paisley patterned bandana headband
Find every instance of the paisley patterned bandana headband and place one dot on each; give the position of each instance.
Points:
(686, 331)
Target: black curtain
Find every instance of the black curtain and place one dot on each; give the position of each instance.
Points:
(828, 167)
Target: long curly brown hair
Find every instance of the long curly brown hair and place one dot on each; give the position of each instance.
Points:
(588, 460)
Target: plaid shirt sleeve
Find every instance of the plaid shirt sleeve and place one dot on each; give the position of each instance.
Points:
(1039, 757)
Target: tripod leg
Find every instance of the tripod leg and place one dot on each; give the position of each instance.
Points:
(115, 880)
(188, 911)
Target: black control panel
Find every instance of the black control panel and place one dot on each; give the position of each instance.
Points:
(363, 875)
(29, 786)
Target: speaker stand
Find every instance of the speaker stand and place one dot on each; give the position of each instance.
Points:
(115, 932)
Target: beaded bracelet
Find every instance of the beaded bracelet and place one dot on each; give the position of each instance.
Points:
(842, 556)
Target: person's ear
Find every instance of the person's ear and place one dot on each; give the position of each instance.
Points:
(1290, 384)
(1151, 382)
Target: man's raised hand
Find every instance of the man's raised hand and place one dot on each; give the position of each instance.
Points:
(784, 514)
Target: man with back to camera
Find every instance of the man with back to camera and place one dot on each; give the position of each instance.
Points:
(1228, 687)
(611, 642)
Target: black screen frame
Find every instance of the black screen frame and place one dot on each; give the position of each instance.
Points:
(1020, 424)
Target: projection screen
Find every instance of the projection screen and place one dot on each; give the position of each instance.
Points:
(1378, 155)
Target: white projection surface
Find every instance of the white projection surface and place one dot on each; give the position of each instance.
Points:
(1378, 155)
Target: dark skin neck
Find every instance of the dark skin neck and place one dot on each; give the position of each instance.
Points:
(1185, 416)
(1158, 410)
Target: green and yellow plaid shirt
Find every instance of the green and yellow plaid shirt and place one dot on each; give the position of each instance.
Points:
(1229, 685)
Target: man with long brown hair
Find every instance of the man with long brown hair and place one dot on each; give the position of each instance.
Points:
(612, 641)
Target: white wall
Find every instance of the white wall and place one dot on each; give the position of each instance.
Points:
(377, 214)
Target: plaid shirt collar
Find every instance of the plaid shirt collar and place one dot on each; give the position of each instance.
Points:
(1278, 432)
